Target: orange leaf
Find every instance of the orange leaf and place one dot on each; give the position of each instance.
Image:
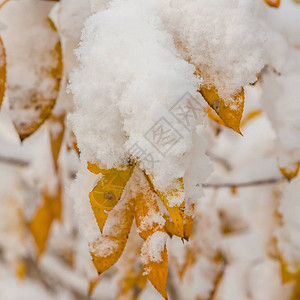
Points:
(229, 111)
(108, 248)
(273, 3)
(108, 192)
(291, 171)
(2, 70)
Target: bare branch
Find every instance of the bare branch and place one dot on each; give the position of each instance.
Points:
(244, 184)
(13, 161)
(222, 161)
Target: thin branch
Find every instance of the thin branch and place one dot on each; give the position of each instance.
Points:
(244, 184)
(13, 161)
(222, 161)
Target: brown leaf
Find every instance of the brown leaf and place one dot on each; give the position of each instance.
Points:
(2, 70)
(229, 111)
(108, 248)
(108, 191)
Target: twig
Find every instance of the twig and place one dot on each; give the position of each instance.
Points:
(243, 184)
(13, 161)
(220, 160)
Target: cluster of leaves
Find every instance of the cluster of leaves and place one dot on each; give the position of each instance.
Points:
(150, 219)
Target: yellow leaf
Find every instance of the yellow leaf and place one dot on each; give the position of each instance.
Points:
(177, 211)
(146, 208)
(286, 275)
(255, 113)
(40, 225)
(94, 168)
(132, 284)
(131, 280)
(170, 226)
(291, 171)
(189, 260)
(21, 270)
(108, 248)
(296, 292)
(273, 3)
(56, 128)
(108, 192)
(188, 220)
(229, 111)
(176, 194)
(92, 285)
(213, 116)
(157, 273)
(2, 70)
(55, 202)
(41, 222)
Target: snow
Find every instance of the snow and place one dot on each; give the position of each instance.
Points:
(151, 218)
(281, 80)
(223, 39)
(132, 93)
(153, 247)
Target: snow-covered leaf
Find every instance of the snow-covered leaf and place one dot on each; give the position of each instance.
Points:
(107, 249)
(229, 111)
(150, 225)
(34, 63)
